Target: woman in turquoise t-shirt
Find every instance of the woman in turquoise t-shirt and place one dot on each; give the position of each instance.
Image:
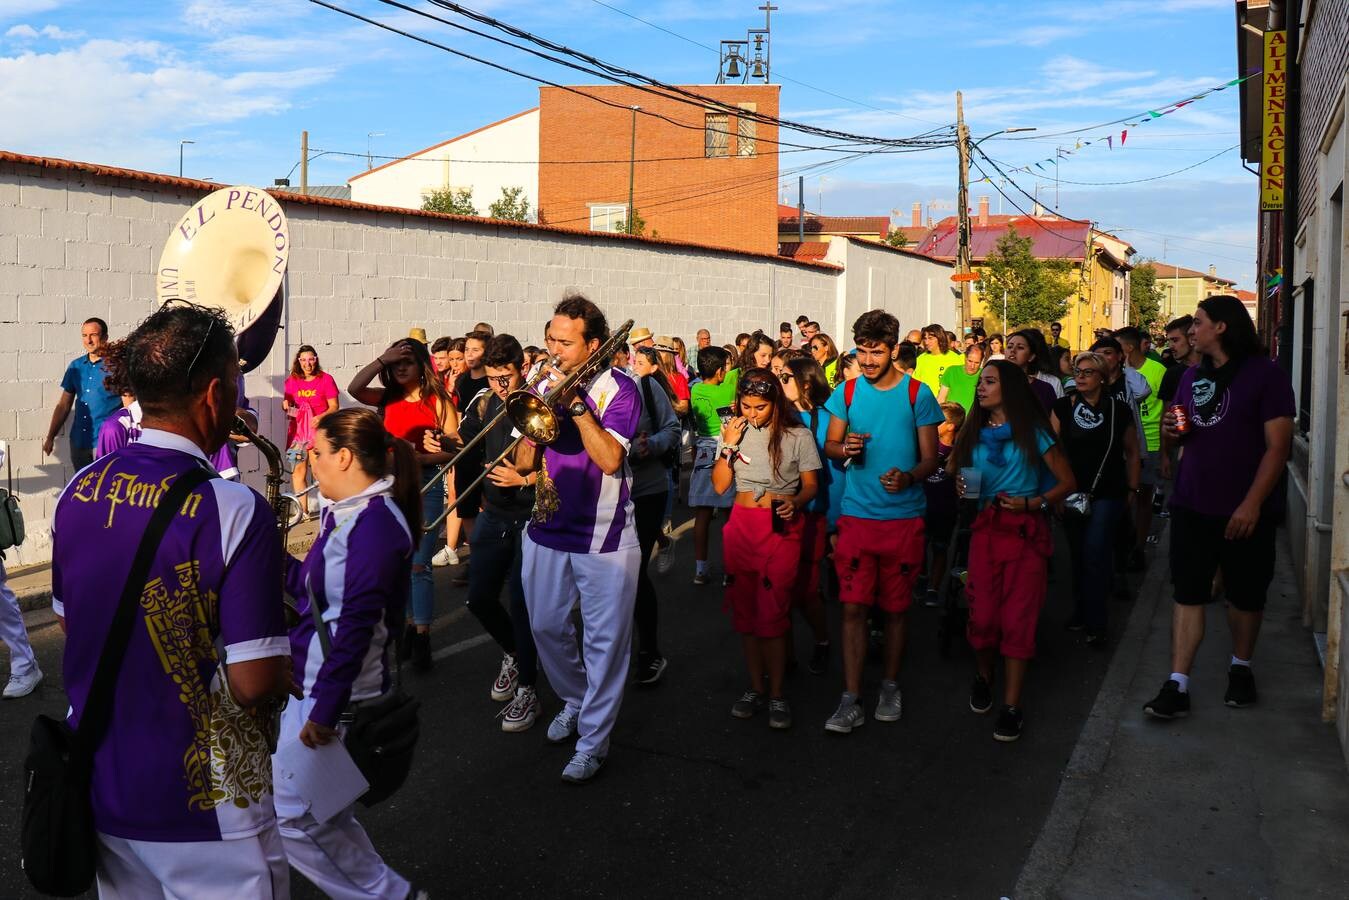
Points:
(1008, 441)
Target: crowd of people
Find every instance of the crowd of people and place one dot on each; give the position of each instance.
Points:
(858, 472)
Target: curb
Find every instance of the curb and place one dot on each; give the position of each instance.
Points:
(1054, 846)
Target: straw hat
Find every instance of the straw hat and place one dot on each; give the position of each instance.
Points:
(664, 343)
(639, 334)
(418, 334)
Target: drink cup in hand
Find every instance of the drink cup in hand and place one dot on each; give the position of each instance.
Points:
(971, 480)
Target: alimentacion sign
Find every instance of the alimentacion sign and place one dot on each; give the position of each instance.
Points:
(1273, 106)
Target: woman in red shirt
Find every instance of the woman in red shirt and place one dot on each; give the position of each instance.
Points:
(413, 401)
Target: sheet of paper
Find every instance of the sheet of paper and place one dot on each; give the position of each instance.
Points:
(325, 778)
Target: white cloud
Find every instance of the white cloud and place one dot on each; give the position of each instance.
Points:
(1082, 75)
(14, 9)
(1031, 36)
(22, 31)
(56, 33)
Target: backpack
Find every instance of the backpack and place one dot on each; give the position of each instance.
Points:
(850, 388)
(11, 516)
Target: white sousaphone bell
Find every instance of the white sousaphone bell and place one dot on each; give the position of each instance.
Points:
(229, 252)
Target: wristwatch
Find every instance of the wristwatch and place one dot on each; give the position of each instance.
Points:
(578, 408)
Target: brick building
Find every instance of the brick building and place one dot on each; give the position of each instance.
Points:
(701, 174)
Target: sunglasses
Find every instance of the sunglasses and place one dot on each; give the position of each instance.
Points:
(501, 380)
(757, 388)
(785, 377)
(177, 303)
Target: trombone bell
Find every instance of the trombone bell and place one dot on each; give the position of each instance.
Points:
(532, 417)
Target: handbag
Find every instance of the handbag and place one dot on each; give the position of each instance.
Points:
(1078, 503)
(11, 516)
(57, 843)
(381, 733)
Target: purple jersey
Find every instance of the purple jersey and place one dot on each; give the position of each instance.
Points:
(595, 514)
(180, 760)
(121, 428)
(359, 572)
(1220, 455)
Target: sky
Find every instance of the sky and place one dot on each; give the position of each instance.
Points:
(124, 83)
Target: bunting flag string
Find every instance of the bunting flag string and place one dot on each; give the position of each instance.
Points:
(1152, 115)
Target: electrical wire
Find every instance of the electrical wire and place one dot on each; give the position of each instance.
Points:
(1154, 177)
(315, 152)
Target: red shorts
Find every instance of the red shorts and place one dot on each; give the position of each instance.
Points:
(878, 561)
(761, 568)
(1009, 570)
(814, 539)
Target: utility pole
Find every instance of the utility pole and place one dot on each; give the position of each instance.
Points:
(801, 208)
(632, 167)
(304, 162)
(963, 210)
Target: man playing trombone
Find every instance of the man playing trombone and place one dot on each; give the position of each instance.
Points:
(582, 544)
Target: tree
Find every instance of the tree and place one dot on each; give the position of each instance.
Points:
(513, 205)
(1037, 289)
(638, 225)
(458, 201)
(897, 238)
(1145, 297)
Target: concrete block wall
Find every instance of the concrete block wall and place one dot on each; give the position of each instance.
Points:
(76, 244)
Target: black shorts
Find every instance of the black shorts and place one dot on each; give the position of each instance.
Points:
(1199, 551)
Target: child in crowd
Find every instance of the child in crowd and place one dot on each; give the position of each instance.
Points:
(710, 401)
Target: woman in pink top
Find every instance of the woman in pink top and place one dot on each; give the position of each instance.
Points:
(310, 394)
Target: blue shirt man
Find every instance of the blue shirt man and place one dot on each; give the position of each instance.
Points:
(82, 390)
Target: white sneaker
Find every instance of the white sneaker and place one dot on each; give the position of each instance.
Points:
(664, 557)
(445, 557)
(521, 712)
(22, 685)
(503, 688)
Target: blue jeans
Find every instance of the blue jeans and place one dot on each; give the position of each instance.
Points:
(1092, 541)
(495, 562)
(423, 588)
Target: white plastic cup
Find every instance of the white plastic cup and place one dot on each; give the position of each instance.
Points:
(973, 481)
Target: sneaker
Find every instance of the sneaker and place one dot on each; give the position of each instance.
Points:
(1170, 702)
(779, 714)
(819, 659)
(650, 668)
(932, 599)
(891, 705)
(749, 704)
(1240, 686)
(700, 578)
(848, 716)
(445, 556)
(664, 561)
(520, 713)
(23, 685)
(503, 688)
(563, 725)
(1009, 724)
(981, 695)
(582, 768)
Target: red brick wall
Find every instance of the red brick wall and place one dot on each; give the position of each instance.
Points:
(726, 201)
(1325, 61)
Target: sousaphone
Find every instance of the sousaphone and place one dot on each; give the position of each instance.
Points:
(229, 252)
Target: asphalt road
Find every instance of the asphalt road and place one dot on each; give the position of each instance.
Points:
(691, 801)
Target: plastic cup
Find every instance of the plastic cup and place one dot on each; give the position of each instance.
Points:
(973, 481)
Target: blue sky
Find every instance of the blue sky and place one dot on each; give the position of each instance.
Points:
(122, 84)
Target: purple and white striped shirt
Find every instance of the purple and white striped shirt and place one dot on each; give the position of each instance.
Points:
(595, 514)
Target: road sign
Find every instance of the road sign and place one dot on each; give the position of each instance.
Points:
(965, 276)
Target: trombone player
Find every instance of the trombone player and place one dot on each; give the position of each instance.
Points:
(582, 543)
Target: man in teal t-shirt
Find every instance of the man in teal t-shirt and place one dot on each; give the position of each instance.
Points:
(884, 430)
(958, 382)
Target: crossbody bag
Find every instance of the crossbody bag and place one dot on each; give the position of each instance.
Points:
(1078, 503)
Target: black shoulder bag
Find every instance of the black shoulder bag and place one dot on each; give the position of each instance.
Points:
(381, 733)
(58, 847)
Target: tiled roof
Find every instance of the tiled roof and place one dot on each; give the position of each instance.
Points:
(810, 250)
(1166, 270)
(193, 184)
(1246, 296)
(877, 225)
(789, 212)
(1050, 238)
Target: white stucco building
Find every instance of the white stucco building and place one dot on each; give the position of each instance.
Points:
(504, 154)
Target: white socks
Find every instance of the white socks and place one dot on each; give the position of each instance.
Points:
(1241, 662)
(1182, 680)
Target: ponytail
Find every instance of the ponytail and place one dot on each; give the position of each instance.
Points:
(380, 455)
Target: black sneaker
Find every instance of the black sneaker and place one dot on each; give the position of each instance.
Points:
(1008, 728)
(1240, 687)
(650, 668)
(981, 695)
(819, 659)
(1170, 702)
(749, 704)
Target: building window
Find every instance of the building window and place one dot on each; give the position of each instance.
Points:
(746, 131)
(608, 217)
(717, 139)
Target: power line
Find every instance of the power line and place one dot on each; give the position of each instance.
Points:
(1154, 177)
(315, 152)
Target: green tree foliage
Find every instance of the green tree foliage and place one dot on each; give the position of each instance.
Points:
(1037, 289)
(513, 205)
(458, 201)
(897, 238)
(638, 225)
(1145, 297)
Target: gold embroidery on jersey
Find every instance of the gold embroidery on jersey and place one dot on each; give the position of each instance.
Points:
(228, 759)
(128, 489)
(87, 488)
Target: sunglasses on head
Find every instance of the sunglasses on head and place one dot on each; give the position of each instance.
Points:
(757, 388)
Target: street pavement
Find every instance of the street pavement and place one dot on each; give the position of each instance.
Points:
(691, 801)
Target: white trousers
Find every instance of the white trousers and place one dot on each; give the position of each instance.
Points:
(196, 870)
(12, 631)
(588, 675)
(337, 855)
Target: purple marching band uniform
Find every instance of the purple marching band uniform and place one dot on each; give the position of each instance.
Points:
(587, 551)
(182, 782)
(359, 574)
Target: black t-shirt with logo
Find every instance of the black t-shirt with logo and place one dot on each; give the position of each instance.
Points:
(1087, 434)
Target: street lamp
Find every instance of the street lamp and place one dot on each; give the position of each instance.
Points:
(369, 152)
(180, 156)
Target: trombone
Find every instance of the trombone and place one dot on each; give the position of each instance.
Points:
(531, 414)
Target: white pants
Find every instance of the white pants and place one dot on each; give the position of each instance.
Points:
(337, 855)
(21, 658)
(588, 677)
(198, 870)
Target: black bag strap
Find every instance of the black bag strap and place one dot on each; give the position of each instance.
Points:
(97, 712)
(326, 640)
